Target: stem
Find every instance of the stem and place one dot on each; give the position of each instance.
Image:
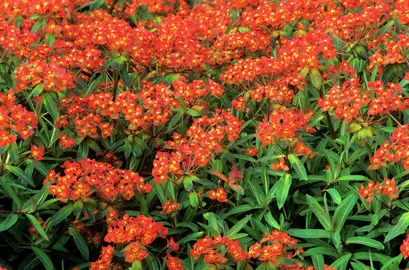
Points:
(369, 149)
(3, 162)
(111, 9)
(330, 126)
(116, 80)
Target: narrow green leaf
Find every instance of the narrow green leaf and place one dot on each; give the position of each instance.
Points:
(10, 192)
(334, 195)
(341, 262)
(62, 214)
(365, 242)
(20, 174)
(190, 237)
(315, 77)
(309, 233)
(298, 166)
(271, 221)
(80, 242)
(318, 261)
(399, 228)
(343, 210)
(194, 199)
(50, 101)
(9, 221)
(392, 263)
(123, 73)
(40, 167)
(37, 226)
(238, 226)
(353, 178)
(319, 212)
(45, 260)
(283, 187)
(374, 72)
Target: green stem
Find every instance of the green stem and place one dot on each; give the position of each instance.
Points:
(116, 80)
(111, 9)
(369, 149)
(330, 126)
(3, 163)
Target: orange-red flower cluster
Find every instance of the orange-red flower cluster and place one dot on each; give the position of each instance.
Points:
(388, 188)
(205, 138)
(404, 248)
(394, 151)
(105, 259)
(211, 250)
(15, 120)
(84, 178)
(52, 77)
(277, 247)
(37, 152)
(283, 124)
(219, 195)
(137, 232)
(348, 100)
(169, 207)
(173, 263)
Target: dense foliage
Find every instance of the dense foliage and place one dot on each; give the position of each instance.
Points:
(224, 134)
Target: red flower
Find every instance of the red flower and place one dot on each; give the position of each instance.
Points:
(172, 244)
(169, 207)
(219, 195)
(37, 152)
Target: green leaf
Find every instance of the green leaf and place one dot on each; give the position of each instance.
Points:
(10, 192)
(334, 195)
(137, 265)
(37, 226)
(212, 221)
(365, 242)
(353, 178)
(238, 226)
(20, 174)
(341, 262)
(343, 210)
(50, 39)
(37, 25)
(399, 228)
(123, 73)
(194, 199)
(188, 181)
(298, 166)
(318, 261)
(13, 152)
(50, 101)
(190, 237)
(62, 214)
(175, 119)
(315, 77)
(271, 221)
(283, 187)
(309, 233)
(374, 72)
(8, 222)
(390, 264)
(40, 167)
(45, 260)
(80, 242)
(319, 212)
